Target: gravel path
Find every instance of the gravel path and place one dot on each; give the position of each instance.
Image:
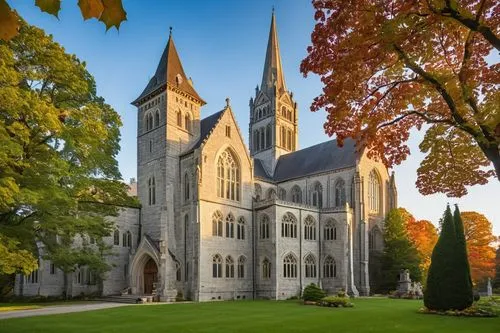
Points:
(57, 309)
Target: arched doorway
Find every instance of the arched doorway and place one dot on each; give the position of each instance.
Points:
(150, 276)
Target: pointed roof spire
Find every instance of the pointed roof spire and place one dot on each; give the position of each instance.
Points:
(169, 71)
(273, 72)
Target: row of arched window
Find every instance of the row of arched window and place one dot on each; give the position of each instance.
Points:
(231, 228)
(262, 138)
(290, 264)
(226, 268)
(187, 124)
(262, 112)
(286, 113)
(287, 138)
(289, 227)
(126, 238)
(152, 120)
(228, 176)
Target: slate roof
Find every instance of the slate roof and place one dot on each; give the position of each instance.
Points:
(259, 170)
(206, 126)
(326, 156)
(168, 68)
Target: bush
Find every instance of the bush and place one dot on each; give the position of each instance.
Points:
(335, 301)
(313, 293)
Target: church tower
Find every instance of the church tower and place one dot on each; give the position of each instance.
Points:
(273, 112)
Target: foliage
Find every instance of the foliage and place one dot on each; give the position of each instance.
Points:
(336, 301)
(109, 12)
(390, 66)
(448, 282)
(496, 281)
(479, 237)
(423, 236)
(464, 285)
(14, 259)
(313, 293)
(399, 253)
(59, 178)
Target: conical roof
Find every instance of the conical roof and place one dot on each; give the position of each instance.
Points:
(273, 72)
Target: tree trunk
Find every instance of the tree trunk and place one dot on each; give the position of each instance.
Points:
(492, 152)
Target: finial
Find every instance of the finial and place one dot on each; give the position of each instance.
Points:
(273, 9)
(170, 28)
(227, 102)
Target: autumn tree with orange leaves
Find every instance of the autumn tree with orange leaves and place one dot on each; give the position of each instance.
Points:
(423, 234)
(388, 66)
(480, 239)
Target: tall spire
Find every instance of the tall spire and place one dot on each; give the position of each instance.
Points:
(273, 72)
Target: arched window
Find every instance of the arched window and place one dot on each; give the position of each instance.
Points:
(283, 111)
(229, 267)
(375, 241)
(264, 227)
(258, 191)
(149, 121)
(289, 140)
(262, 139)
(217, 224)
(230, 226)
(271, 193)
(241, 267)
(152, 191)
(340, 198)
(283, 136)
(178, 271)
(116, 237)
(217, 266)
(289, 115)
(330, 230)
(310, 266)
(186, 187)
(289, 226)
(282, 194)
(374, 192)
(296, 194)
(329, 268)
(317, 195)
(268, 136)
(309, 228)
(241, 228)
(290, 266)
(228, 176)
(187, 122)
(266, 269)
(179, 118)
(256, 141)
(157, 118)
(127, 239)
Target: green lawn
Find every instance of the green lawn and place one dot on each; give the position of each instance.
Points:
(15, 306)
(368, 315)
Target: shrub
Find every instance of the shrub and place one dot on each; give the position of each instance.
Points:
(335, 301)
(313, 293)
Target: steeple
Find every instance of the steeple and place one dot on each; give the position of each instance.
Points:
(169, 71)
(273, 72)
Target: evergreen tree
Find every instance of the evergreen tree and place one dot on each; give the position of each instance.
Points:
(496, 282)
(399, 253)
(464, 296)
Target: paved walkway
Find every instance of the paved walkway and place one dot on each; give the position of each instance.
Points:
(56, 309)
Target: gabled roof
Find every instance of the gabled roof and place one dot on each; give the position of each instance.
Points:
(273, 71)
(326, 156)
(206, 126)
(167, 71)
(260, 171)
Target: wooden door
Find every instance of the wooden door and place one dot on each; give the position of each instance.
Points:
(150, 276)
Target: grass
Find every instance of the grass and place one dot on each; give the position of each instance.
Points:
(368, 315)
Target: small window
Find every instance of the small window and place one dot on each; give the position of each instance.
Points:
(228, 131)
(266, 269)
(116, 237)
(52, 269)
(150, 146)
(179, 118)
(217, 266)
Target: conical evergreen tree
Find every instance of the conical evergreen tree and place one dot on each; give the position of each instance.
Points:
(441, 284)
(463, 296)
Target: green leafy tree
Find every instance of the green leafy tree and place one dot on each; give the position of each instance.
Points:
(59, 176)
(399, 252)
(449, 283)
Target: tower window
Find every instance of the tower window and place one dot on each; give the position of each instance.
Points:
(228, 131)
(151, 191)
(179, 118)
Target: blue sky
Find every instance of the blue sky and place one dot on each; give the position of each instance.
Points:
(222, 46)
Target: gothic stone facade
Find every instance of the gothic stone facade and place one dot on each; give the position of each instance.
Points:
(221, 221)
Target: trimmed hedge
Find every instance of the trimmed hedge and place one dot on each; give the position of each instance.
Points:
(335, 301)
(313, 293)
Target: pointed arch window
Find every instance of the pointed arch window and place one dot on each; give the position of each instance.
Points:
(268, 136)
(152, 191)
(229, 267)
(317, 195)
(186, 188)
(296, 194)
(258, 191)
(374, 192)
(217, 224)
(289, 140)
(264, 227)
(309, 228)
(329, 268)
(127, 239)
(289, 226)
(262, 139)
(271, 194)
(282, 194)
(157, 118)
(340, 197)
(241, 267)
(290, 266)
(256, 141)
(149, 121)
(230, 226)
(266, 269)
(116, 237)
(241, 228)
(178, 271)
(179, 118)
(217, 266)
(187, 122)
(310, 266)
(228, 177)
(330, 230)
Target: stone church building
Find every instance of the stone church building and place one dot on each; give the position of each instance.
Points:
(220, 220)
